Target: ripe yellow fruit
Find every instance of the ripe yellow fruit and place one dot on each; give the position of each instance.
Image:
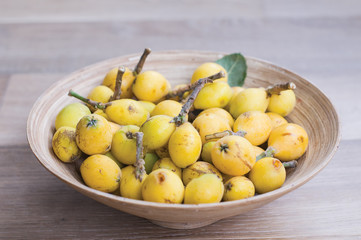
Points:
(250, 99)
(185, 145)
(115, 127)
(206, 151)
(127, 82)
(209, 124)
(101, 173)
(207, 188)
(130, 187)
(151, 86)
(282, 103)
(70, 115)
(149, 106)
(64, 144)
(267, 175)
(167, 163)
(100, 94)
(213, 95)
(206, 70)
(93, 134)
(123, 148)
(157, 131)
(127, 112)
(238, 188)
(220, 112)
(163, 186)
(277, 120)
(198, 169)
(258, 150)
(235, 91)
(101, 113)
(163, 152)
(167, 107)
(289, 140)
(110, 155)
(233, 155)
(257, 125)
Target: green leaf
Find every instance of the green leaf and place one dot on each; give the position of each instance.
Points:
(236, 67)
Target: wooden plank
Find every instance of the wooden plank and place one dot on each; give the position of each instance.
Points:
(35, 203)
(21, 93)
(90, 10)
(3, 86)
(302, 45)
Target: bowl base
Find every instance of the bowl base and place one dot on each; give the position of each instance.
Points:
(182, 225)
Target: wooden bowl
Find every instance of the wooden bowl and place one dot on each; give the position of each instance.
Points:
(313, 111)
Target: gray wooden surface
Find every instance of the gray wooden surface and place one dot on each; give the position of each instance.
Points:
(41, 41)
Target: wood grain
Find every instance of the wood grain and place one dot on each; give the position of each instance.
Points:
(325, 208)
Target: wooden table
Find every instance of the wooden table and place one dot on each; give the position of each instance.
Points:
(41, 41)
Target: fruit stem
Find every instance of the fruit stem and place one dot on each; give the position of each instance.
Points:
(180, 91)
(225, 133)
(180, 119)
(139, 162)
(278, 88)
(118, 84)
(96, 105)
(141, 62)
(290, 164)
(268, 153)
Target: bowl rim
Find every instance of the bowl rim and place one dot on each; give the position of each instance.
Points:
(257, 198)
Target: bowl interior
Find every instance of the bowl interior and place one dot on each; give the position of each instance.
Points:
(313, 111)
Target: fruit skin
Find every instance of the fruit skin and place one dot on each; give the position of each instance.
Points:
(250, 99)
(207, 188)
(150, 159)
(238, 188)
(93, 134)
(149, 106)
(157, 131)
(123, 148)
(206, 151)
(127, 112)
(258, 150)
(235, 91)
(214, 95)
(101, 173)
(185, 145)
(64, 145)
(257, 125)
(163, 152)
(167, 107)
(277, 120)
(127, 82)
(233, 155)
(283, 104)
(198, 169)
(163, 186)
(267, 175)
(167, 163)
(70, 115)
(289, 140)
(110, 155)
(115, 127)
(151, 86)
(130, 187)
(208, 124)
(100, 94)
(220, 112)
(208, 69)
(101, 113)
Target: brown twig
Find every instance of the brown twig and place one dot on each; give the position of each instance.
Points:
(180, 119)
(290, 164)
(118, 84)
(139, 163)
(224, 134)
(96, 105)
(141, 62)
(278, 88)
